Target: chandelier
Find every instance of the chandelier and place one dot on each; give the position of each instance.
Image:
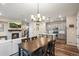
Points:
(38, 17)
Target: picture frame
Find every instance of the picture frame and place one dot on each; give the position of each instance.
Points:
(71, 25)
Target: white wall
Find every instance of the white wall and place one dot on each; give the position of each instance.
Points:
(5, 27)
(71, 31)
(5, 32)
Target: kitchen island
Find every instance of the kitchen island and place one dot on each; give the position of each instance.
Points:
(10, 46)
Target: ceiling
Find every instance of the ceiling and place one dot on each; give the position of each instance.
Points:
(23, 11)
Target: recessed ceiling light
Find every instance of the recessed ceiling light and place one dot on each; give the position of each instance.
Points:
(3, 3)
(62, 18)
(0, 25)
(0, 13)
(47, 19)
(49, 26)
(25, 19)
(59, 16)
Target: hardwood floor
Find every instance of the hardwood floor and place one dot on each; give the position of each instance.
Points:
(63, 49)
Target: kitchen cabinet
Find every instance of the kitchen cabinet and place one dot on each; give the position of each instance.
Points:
(5, 48)
(15, 43)
(9, 47)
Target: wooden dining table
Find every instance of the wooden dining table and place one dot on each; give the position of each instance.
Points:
(33, 45)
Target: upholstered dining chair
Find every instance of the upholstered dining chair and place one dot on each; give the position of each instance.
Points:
(51, 48)
(26, 39)
(25, 53)
(33, 38)
(38, 52)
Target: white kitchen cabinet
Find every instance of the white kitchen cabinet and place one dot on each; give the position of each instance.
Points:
(5, 48)
(15, 43)
(9, 47)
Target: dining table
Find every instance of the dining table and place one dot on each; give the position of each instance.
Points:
(33, 45)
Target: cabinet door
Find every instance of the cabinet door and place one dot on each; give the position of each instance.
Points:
(15, 45)
(5, 49)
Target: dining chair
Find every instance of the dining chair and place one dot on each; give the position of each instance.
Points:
(38, 52)
(26, 39)
(25, 53)
(44, 51)
(33, 38)
(23, 40)
(51, 48)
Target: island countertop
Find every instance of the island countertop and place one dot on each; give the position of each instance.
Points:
(8, 40)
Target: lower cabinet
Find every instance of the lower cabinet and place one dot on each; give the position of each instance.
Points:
(15, 45)
(5, 48)
(9, 47)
